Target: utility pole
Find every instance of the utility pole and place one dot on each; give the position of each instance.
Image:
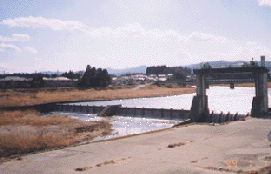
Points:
(4, 80)
(57, 79)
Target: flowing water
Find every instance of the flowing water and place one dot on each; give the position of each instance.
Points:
(220, 99)
(124, 125)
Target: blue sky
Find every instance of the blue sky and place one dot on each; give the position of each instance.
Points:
(65, 35)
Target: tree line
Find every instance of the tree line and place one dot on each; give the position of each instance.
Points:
(91, 78)
(95, 78)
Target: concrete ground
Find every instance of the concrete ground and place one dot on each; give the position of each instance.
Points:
(240, 145)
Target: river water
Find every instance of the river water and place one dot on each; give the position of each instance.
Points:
(124, 125)
(220, 99)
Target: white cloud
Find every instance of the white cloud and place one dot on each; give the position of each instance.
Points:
(245, 52)
(5, 67)
(15, 37)
(40, 22)
(137, 31)
(264, 2)
(9, 46)
(203, 37)
(128, 31)
(31, 50)
(65, 54)
(20, 37)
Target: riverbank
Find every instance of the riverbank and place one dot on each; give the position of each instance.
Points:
(24, 132)
(26, 97)
(11, 98)
(237, 147)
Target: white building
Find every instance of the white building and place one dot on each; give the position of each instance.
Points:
(59, 82)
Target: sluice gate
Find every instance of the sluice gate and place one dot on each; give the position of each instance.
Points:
(157, 113)
(200, 109)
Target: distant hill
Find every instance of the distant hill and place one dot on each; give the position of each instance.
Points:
(135, 70)
(52, 72)
(221, 64)
(142, 69)
(218, 64)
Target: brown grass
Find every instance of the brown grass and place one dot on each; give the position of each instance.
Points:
(37, 96)
(24, 132)
(23, 98)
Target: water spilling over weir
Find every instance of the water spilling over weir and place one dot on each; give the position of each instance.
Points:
(148, 114)
(167, 114)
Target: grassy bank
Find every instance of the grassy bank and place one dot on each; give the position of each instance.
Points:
(24, 97)
(31, 97)
(24, 132)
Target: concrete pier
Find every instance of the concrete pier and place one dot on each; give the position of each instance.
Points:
(199, 107)
(260, 101)
(199, 110)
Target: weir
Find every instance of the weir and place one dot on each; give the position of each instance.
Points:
(169, 114)
(200, 111)
(177, 114)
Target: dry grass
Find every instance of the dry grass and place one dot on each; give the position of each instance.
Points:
(31, 97)
(24, 132)
(23, 98)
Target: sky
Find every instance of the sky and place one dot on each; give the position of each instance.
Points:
(63, 35)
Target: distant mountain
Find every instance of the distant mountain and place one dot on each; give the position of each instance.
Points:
(221, 64)
(218, 64)
(135, 70)
(52, 72)
(142, 69)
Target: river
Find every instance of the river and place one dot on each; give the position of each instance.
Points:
(220, 99)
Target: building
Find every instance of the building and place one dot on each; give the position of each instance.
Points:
(59, 82)
(15, 82)
(22, 82)
(167, 73)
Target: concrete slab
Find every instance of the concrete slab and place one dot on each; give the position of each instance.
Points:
(240, 145)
